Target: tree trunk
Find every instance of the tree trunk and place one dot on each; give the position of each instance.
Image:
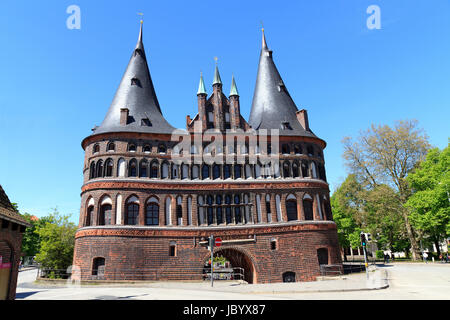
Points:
(412, 238)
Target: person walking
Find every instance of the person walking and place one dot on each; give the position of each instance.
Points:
(425, 256)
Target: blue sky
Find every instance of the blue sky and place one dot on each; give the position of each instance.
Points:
(57, 83)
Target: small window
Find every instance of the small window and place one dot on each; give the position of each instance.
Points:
(5, 224)
(147, 148)
(286, 126)
(162, 148)
(145, 122)
(132, 147)
(173, 249)
(111, 147)
(135, 82)
(273, 244)
(96, 148)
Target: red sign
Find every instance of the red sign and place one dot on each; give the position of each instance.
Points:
(218, 242)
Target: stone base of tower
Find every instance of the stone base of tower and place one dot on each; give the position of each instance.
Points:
(267, 253)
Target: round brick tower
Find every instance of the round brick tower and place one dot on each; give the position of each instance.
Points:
(152, 195)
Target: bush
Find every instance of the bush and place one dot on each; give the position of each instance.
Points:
(379, 254)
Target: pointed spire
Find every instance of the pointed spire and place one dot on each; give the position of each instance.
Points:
(264, 43)
(272, 106)
(217, 79)
(137, 94)
(234, 90)
(201, 85)
(140, 43)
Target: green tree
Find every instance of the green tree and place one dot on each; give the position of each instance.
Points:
(57, 239)
(385, 155)
(346, 206)
(31, 242)
(430, 202)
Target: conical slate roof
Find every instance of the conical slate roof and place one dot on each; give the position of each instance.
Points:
(137, 94)
(272, 106)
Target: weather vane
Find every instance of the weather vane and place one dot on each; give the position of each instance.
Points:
(262, 26)
(142, 16)
(215, 58)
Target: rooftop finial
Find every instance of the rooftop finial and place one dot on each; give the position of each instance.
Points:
(233, 91)
(139, 44)
(264, 43)
(217, 79)
(201, 85)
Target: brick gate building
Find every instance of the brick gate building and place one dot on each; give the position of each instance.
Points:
(152, 194)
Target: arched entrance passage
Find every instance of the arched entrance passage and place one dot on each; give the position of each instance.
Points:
(6, 259)
(238, 259)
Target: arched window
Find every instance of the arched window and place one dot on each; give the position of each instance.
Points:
(162, 148)
(111, 147)
(205, 171)
(227, 171)
(248, 171)
(268, 209)
(228, 212)
(154, 169)
(132, 168)
(104, 216)
(143, 167)
(313, 169)
(210, 209)
(89, 215)
(237, 209)
(147, 148)
(99, 169)
(216, 171)
(109, 168)
(305, 171)
(152, 213)
(121, 167)
(291, 209)
(278, 207)
(168, 211)
(96, 148)
(219, 215)
(295, 170)
(201, 213)
(257, 171)
(164, 170)
(310, 150)
(322, 175)
(179, 211)
(237, 171)
(175, 171)
(297, 149)
(92, 170)
(184, 171)
(132, 214)
(189, 210)
(195, 171)
(285, 149)
(131, 147)
(286, 169)
(308, 208)
(327, 209)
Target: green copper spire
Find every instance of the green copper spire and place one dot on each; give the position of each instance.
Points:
(201, 86)
(217, 79)
(234, 90)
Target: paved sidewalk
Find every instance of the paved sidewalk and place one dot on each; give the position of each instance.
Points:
(377, 279)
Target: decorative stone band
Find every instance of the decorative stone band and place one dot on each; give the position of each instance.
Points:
(228, 232)
(206, 185)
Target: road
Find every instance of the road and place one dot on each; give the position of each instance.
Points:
(407, 281)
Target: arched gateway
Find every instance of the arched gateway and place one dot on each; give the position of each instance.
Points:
(240, 261)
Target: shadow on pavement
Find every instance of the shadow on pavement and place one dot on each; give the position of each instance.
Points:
(23, 295)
